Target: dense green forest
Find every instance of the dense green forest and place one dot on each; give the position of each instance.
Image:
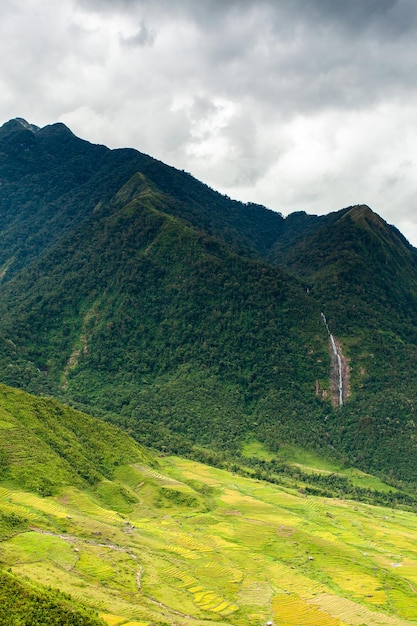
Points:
(132, 290)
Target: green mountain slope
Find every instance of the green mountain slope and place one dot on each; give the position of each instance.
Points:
(364, 274)
(171, 541)
(140, 315)
(23, 603)
(361, 269)
(45, 445)
(135, 291)
(51, 180)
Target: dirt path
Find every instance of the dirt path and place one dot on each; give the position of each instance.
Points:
(111, 546)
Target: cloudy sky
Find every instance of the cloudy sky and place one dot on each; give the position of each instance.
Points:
(296, 104)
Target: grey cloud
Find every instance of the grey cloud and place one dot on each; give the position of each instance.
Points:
(395, 16)
(144, 36)
(202, 107)
(323, 53)
(299, 83)
(355, 14)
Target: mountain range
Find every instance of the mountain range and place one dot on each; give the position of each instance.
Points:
(221, 424)
(195, 322)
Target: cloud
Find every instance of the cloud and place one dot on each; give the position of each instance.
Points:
(144, 36)
(297, 105)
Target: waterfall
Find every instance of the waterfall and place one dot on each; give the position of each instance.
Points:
(338, 360)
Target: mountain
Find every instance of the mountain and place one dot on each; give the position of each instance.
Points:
(364, 274)
(122, 537)
(195, 322)
(351, 259)
(51, 180)
(136, 307)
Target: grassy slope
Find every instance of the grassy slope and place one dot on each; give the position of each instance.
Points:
(204, 544)
(45, 445)
(179, 542)
(36, 606)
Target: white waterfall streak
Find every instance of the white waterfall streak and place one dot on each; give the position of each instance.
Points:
(338, 360)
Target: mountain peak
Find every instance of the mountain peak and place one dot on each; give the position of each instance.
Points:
(364, 217)
(57, 129)
(18, 123)
(25, 124)
(361, 212)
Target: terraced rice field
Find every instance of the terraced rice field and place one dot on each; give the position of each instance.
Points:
(219, 549)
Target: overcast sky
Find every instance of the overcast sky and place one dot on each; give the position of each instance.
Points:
(296, 104)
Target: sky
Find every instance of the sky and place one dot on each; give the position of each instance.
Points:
(299, 105)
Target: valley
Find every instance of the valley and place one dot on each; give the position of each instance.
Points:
(190, 544)
(139, 539)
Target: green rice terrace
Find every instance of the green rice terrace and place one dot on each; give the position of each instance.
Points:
(138, 540)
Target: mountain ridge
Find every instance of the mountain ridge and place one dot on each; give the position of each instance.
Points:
(97, 169)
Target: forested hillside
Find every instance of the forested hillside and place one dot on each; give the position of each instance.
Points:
(134, 291)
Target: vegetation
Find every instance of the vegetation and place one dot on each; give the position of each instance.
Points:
(44, 445)
(167, 541)
(24, 604)
(135, 292)
(157, 343)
